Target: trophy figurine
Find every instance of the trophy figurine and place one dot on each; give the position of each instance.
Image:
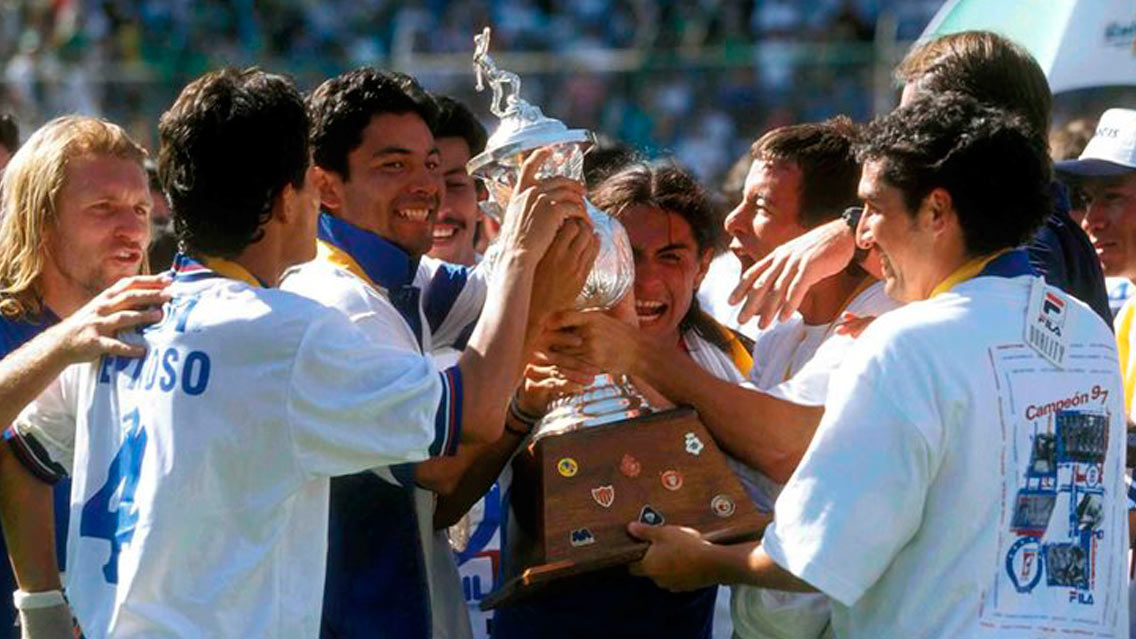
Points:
(601, 457)
(523, 129)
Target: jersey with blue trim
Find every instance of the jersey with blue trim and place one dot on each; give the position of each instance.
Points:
(201, 471)
(412, 590)
(14, 333)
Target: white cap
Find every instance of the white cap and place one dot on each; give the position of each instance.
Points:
(1112, 151)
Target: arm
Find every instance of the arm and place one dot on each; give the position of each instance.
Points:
(774, 443)
(462, 479)
(679, 559)
(468, 475)
(491, 363)
(29, 525)
(29, 531)
(775, 287)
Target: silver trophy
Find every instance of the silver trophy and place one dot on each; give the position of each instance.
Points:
(523, 129)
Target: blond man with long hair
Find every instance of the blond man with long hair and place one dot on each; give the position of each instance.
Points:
(74, 207)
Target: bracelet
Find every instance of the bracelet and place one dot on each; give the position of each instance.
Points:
(522, 416)
(35, 600)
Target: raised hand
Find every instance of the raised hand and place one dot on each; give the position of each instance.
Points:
(596, 338)
(774, 288)
(538, 208)
(565, 267)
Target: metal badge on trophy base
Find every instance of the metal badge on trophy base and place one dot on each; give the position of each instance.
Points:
(602, 457)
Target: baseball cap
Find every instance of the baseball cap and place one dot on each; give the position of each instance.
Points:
(1112, 151)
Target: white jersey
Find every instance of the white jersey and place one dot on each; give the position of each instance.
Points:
(200, 472)
(370, 310)
(357, 273)
(960, 485)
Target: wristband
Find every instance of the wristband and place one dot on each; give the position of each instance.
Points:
(35, 600)
(521, 416)
(851, 217)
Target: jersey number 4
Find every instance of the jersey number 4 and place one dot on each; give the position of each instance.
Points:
(110, 513)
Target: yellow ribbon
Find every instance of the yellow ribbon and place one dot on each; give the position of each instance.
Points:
(328, 252)
(737, 352)
(966, 271)
(231, 270)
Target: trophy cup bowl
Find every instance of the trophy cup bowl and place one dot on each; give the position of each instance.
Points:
(601, 457)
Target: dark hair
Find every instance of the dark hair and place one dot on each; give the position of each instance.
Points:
(455, 120)
(230, 144)
(829, 171)
(668, 187)
(606, 158)
(733, 185)
(9, 133)
(163, 248)
(995, 168)
(343, 106)
(985, 66)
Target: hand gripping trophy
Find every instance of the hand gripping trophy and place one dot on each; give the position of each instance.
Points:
(523, 129)
(601, 457)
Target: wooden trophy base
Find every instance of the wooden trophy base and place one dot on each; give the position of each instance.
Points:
(574, 493)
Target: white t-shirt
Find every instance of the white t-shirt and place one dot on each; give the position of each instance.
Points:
(369, 309)
(961, 486)
(200, 472)
(793, 361)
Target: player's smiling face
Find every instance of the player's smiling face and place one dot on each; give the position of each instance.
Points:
(457, 219)
(394, 183)
(668, 268)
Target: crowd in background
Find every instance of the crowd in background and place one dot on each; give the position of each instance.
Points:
(689, 78)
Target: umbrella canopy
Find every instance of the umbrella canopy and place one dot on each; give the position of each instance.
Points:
(1078, 43)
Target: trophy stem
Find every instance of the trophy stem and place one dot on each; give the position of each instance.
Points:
(608, 399)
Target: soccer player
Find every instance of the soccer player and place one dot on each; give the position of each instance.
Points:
(378, 170)
(459, 137)
(59, 247)
(972, 441)
(200, 471)
(673, 227)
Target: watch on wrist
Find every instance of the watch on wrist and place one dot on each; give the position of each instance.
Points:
(851, 217)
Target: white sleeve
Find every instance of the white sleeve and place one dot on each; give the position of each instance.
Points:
(453, 297)
(857, 497)
(809, 386)
(43, 435)
(354, 404)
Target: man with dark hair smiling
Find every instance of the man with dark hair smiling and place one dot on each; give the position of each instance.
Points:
(972, 441)
(378, 169)
(459, 137)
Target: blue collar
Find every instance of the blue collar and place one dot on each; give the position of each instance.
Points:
(383, 261)
(1009, 264)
